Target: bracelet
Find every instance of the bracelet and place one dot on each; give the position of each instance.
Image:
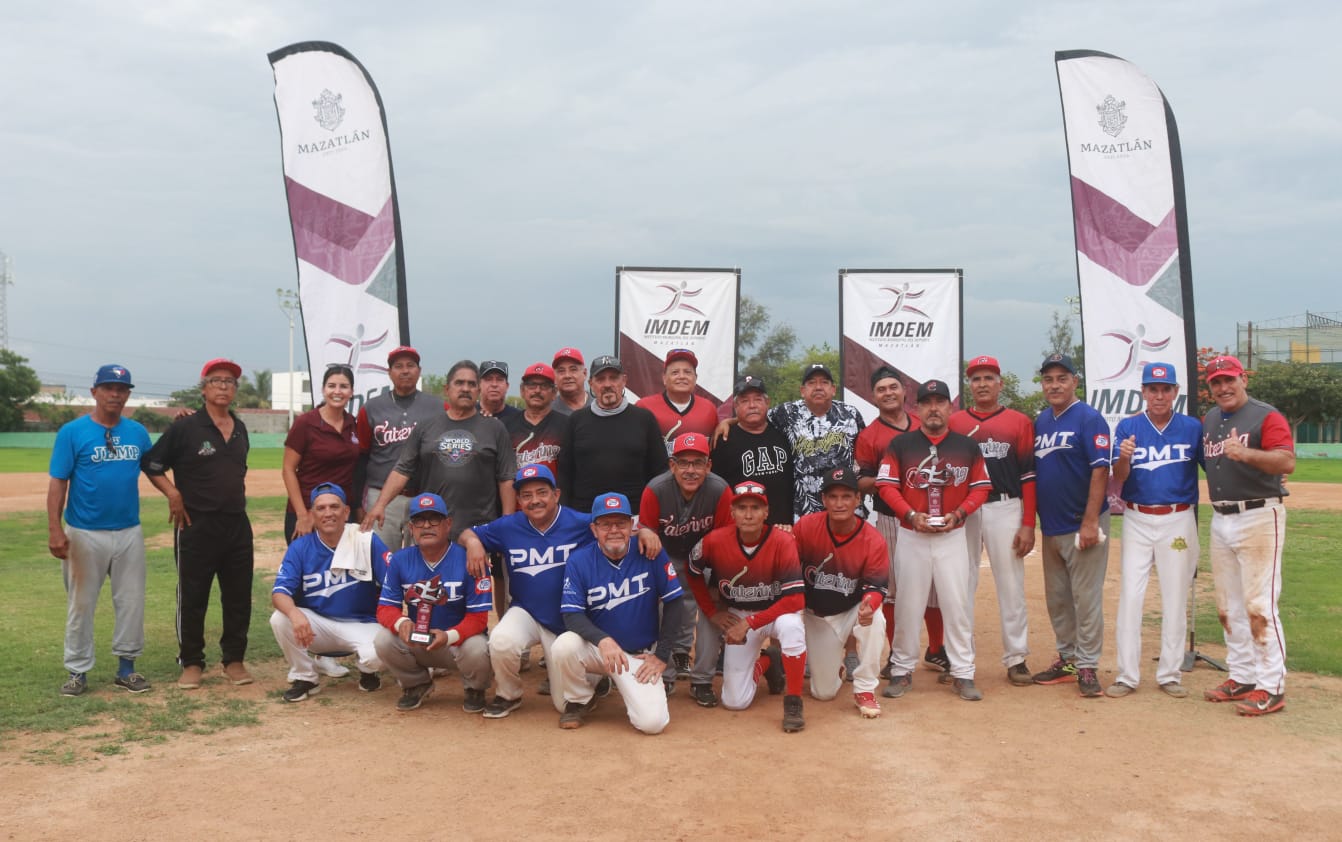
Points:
(911, 515)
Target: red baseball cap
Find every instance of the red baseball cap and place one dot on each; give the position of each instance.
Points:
(983, 361)
(749, 488)
(690, 443)
(221, 362)
(569, 354)
(1224, 367)
(539, 370)
(682, 354)
(402, 351)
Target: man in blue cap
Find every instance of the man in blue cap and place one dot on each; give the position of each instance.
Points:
(95, 471)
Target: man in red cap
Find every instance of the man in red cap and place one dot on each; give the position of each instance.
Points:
(538, 430)
(571, 380)
(678, 409)
(384, 423)
(1004, 525)
(207, 502)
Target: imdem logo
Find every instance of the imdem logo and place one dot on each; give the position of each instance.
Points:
(889, 326)
(1137, 345)
(673, 327)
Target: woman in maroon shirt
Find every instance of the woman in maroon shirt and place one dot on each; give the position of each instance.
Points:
(322, 446)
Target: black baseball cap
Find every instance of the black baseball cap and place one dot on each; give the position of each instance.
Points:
(1059, 360)
(881, 373)
(745, 384)
(932, 388)
(816, 369)
(494, 365)
(838, 476)
(604, 362)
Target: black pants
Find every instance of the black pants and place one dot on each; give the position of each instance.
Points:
(214, 545)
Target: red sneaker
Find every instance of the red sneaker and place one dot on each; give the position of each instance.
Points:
(1261, 702)
(1229, 690)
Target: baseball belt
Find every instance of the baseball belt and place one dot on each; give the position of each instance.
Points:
(1237, 506)
(1160, 510)
(1000, 497)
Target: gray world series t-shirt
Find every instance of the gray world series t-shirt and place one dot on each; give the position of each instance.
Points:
(463, 462)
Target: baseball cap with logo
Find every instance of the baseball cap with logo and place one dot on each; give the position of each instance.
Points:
(500, 366)
(838, 476)
(933, 388)
(1224, 367)
(983, 361)
(403, 351)
(745, 384)
(540, 370)
(816, 370)
(748, 489)
(882, 373)
(1057, 360)
(534, 473)
(113, 373)
(426, 502)
(568, 354)
(690, 443)
(604, 362)
(221, 362)
(682, 354)
(1159, 373)
(611, 503)
(326, 488)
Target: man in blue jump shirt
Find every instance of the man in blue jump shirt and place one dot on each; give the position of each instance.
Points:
(95, 471)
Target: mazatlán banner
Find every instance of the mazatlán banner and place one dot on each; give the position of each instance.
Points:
(1131, 226)
(342, 205)
(661, 310)
(909, 319)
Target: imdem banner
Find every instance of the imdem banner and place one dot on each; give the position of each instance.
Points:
(1131, 230)
(342, 207)
(660, 310)
(909, 319)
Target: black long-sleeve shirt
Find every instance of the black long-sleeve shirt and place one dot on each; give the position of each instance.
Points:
(604, 453)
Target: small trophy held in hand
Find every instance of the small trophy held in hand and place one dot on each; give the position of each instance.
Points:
(936, 516)
(424, 596)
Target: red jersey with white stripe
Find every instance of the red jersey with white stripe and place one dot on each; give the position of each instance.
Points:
(915, 461)
(871, 445)
(839, 569)
(751, 580)
(701, 416)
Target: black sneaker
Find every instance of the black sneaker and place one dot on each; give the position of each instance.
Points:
(602, 689)
(543, 689)
(938, 659)
(680, 662)
(134, 683)
(501, 707)
(1059, 672)
(887, 671)
(413, 697)
(703, 695)
(774, 676)
(1088, 682)
(793, 721)
(898, 686)
(300, 690)
(369, 681)
(574, 713)
(75, 685)
(474, 701)
(850, 665)
(1019, 675)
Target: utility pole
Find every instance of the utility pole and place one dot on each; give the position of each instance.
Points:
(288, 304)
(6, 279)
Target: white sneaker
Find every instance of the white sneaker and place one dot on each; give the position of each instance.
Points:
(331, 668)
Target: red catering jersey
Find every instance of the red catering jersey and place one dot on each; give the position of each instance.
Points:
(839, 570)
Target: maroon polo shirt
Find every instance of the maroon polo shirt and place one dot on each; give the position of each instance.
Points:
(324, 454)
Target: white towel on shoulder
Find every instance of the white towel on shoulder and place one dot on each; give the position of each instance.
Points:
(355, 553)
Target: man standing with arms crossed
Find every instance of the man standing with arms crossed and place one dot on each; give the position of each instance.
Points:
(1072, 453)
(1004, 525)
(207, 503)
(95, 473)
(1248, 451)
(384, 423)
(1156, 456)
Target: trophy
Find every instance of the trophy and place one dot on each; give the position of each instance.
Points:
(424, 596)
(935, 488)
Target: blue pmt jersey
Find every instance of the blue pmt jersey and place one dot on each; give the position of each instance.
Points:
(620, 599)
(1067, 448)
(1165, 463)
(535, 560)
(464, 593)
(306, 577)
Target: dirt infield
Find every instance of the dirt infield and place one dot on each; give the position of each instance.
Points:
(1024, 762)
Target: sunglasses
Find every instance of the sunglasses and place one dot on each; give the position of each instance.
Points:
(109, 441)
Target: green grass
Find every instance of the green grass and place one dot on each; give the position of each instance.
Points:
(33, 460)
(1317, 470)
(32, 634)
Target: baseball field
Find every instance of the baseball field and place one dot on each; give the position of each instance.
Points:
(229, 762)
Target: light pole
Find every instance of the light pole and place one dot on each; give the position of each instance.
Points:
(288, 304)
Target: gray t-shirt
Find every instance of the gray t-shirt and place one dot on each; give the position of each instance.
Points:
(391, 418)
(463, 462)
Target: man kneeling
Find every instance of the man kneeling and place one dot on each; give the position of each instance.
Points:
(611, 596)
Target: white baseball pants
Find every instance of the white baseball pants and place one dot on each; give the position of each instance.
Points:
(328, 635)
(514, 634)
(993, 527)
(738, 663)
(576, 659)
(1246, 567)
(1170, 543)
(412, 664)
(925, 560)
(825, 638)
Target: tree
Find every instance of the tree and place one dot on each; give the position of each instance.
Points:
(1303, 392)
(153, 421)
(762, 352)
(252, 394)
(18, 385)
(789, 374)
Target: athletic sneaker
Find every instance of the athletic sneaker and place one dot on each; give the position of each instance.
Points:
(1229, 690)
(474, 701)
(774, 676)
(1261, 702)
(898, 686)
(938, 659)
(680, 661)
(369, 681)
(300, 690)
(1118, 690)
(703, 695)
(602, 689)
(574, 713)
(75, 685)
(1019, 675)
(887, 671)
(134, 682)
(867, 705)
(1059, 672)
(1175, 689)
(793, 721)
(850, 664)
(669, 685)
(1088, 682)
(330, 667)
(964, 687)
(543, 689)
(413, 697)
(501, 707)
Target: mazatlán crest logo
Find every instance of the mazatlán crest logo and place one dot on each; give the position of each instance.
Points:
(1112, 118)
(330, 113)
(1179, 544)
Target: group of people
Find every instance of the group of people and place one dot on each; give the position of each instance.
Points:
(644, 545)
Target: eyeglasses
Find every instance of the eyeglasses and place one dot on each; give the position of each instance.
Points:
(613, 524)
(426, 520)
(537, 384)
(692, 464)
(222, 382)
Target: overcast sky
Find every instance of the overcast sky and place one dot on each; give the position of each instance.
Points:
(539, 145)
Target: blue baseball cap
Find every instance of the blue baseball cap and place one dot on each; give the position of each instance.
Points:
(1159, 373)
(611, 503)
(327, 488)
(534, 472)
(427, 502)
(113, 373)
